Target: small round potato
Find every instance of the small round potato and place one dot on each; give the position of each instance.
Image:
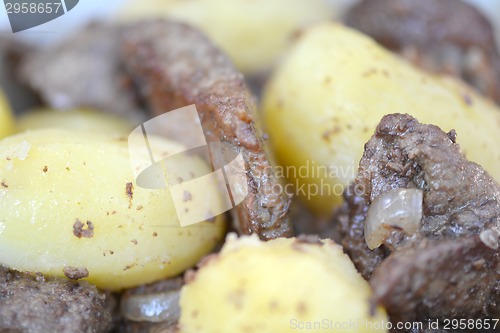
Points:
(77, 119)
(283, 285)
(253, 33)
(6, 120)
(69, 204)
(325, 100)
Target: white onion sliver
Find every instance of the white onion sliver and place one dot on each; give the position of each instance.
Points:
(490, 238)
(157, 307)
(400, 208)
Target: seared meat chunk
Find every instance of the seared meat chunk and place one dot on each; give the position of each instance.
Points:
(175, 66)
(350, 219)
(83, 71)
(439, 279)
(32, 303)
(460, 198)
(19, 95)
(446, 36)
(450, 268)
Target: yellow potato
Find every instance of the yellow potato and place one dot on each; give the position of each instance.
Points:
(6, 119)
(76, 119)
(324, 102)
(278, 286)
(69, 199)
(253, 33)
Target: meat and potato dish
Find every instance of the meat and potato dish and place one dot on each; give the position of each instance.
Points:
(354, 146)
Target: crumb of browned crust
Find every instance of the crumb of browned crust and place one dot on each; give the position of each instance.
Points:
(129, 190)
(79, 231)
(308, 239)
(75, 273)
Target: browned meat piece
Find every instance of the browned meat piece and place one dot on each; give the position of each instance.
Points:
(450, 267)
(30, 303)
(439, 279)
(175, 65)
(11, 52)
(349, 219)
(83, 71)
(447, 36)
(460, 198)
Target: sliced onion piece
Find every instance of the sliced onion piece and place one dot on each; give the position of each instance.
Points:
(157, 307)
(399, 208)
(490, 238)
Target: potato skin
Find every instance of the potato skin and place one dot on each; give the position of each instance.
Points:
(69, 200)
(76, 119)
(7, 126)
(274, 287)
(327, 97)
(254, 33)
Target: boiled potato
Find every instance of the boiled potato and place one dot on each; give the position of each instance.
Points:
(253, 33)
(69, 202)
(282, 285)
(76, 119)
(6, 119)
(324, 102)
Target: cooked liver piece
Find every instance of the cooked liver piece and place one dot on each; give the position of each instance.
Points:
(439, 279)
(83, 71)
(460, 198)
(32, 303)
(446, 36)
(349, 220)
(450, 268)
(175, 65)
